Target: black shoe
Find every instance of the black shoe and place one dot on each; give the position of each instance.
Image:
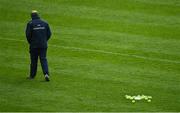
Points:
(47, 77)
(29, 78)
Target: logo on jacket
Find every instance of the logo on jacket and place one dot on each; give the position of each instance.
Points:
(37, 28)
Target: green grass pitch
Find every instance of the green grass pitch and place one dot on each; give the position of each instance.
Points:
(100, 51)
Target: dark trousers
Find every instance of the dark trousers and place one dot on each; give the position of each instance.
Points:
(34, 54)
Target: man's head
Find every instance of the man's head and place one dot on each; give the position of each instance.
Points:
(34, 14)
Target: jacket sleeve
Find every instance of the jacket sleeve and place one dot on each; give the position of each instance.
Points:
(28, 33)
(48, 32)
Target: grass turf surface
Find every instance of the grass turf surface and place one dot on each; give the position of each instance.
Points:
(100, 51)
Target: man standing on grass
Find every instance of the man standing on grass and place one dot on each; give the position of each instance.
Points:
(38, 33)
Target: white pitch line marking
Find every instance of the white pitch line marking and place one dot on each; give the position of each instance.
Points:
(102, 51)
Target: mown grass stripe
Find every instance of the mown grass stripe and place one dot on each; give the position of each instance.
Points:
(100, 13)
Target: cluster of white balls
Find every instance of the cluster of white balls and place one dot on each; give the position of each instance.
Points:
(138, 97)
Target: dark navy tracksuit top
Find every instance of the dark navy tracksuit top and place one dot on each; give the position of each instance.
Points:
(37, 33)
